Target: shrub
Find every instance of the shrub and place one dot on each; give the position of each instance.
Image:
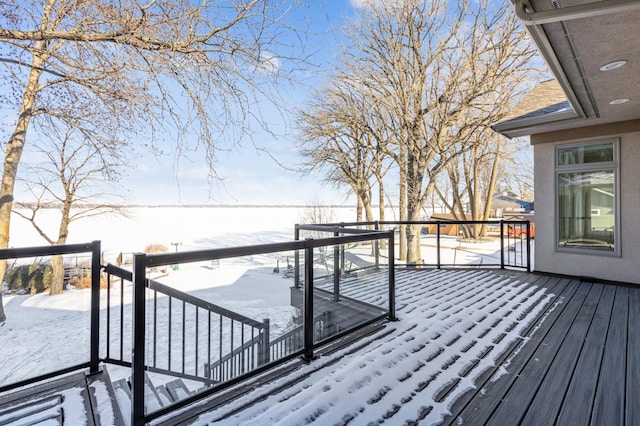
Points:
(85, 282)
(155, 248)
(34, 278)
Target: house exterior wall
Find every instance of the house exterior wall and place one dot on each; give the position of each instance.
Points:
(624, 267)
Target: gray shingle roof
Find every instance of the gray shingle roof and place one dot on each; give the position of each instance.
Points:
(546, 98)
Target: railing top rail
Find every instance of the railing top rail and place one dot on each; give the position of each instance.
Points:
(333, 227)
(118, 272)
(425, 222)
(14, 253)
(222, 253)
(177, 294)
(452, 222)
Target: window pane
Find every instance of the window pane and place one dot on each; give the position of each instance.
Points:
(585, 154)
(586, 210)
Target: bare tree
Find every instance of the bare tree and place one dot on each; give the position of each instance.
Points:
(340, 135)
(472, 181)
(517, 172)
(445, 70)
(71, 174)
(166, 68)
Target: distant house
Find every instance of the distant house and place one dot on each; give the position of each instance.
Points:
(450, 229)
(585, 129)
(508, 201)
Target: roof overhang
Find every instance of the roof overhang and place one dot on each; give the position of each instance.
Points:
(577, 38)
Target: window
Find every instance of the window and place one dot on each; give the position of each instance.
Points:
(586, 177)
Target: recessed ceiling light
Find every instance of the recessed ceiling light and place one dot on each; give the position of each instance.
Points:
(619, 101)
(613, 65)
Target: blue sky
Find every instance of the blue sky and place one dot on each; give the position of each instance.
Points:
(250, 175)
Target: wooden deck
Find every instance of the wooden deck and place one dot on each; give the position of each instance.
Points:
(532, 349)
(579, 363)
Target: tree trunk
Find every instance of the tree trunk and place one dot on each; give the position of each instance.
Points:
(381, 210)
(15, 145)
(57, 283)
(402, 255)
(492, 184)
(414, 206)
(414, 255)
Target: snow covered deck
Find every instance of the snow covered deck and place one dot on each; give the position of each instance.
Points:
(470, 347)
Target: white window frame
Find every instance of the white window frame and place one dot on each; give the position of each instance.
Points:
(585, 168)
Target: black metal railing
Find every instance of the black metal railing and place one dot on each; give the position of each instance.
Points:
(256, 352)
(514, 235)
(218, 344)
(93, 361)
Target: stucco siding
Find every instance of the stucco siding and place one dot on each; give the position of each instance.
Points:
(548, 258)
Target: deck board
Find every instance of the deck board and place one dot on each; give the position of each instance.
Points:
(582, 365)
(554, 286)
(549, 395)
(609, 403)
(490, 392)
(513, 405)
(633, 360)
(581, 390)
(574, 360)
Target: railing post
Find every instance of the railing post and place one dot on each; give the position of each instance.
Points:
(138, 355)
(438, 244)
(342, 259)
(95, 308)
(392, 277)
(308, 303)
(336, 267)
(377, 246)
(528, 246)
(501, 244)
(296, 257)
(265, 356)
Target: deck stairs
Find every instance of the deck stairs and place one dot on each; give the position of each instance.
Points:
(156, 396)
(76, 399)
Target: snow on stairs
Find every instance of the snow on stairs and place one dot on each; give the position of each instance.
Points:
(75, 399)
(156, 397)
(46, 410)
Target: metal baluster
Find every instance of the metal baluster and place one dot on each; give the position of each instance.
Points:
(209, 343)
(197, 346)
(184, 330)
(242, 360)
(155, 326)
(169, 352)
(220, 349)
(108, 315)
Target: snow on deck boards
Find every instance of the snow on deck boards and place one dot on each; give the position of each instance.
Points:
(579, 365)
(453, 326)
(471, 347)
